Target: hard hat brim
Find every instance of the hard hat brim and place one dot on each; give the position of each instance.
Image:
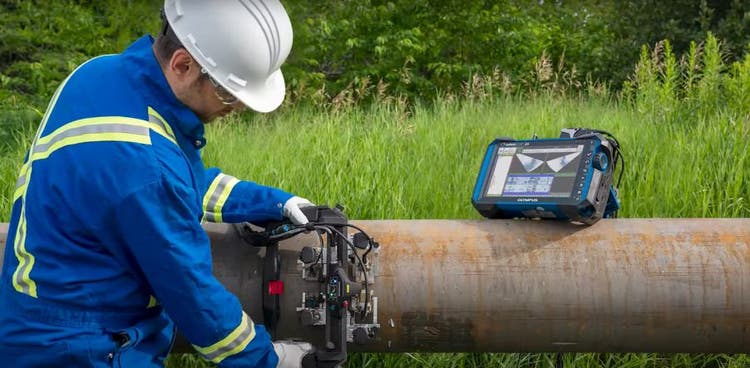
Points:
(264, 97)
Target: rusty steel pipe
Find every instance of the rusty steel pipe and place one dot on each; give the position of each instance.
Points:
(626, 285)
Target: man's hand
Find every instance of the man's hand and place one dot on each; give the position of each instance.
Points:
(291, 353)
(292, 210)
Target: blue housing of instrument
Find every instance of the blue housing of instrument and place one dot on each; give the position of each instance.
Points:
(563, 178)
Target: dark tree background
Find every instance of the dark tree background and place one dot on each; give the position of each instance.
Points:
(414, 48)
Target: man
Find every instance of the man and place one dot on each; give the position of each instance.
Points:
(105, 251)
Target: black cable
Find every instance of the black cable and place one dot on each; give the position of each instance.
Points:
(361, 264)
(320, 254)
(325, 224)
(618, 156)
(345, 225)
(318, 231)
(370, 241)
(322, 246)
(287, 234)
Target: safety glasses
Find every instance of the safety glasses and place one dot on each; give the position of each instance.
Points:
(221, 93)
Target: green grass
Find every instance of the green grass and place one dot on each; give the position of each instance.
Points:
(12, 153)
(475, 360)
(383, 163)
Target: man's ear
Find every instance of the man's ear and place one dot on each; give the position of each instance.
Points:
(183, 66)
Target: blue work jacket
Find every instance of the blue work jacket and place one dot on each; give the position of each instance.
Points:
(105, 251)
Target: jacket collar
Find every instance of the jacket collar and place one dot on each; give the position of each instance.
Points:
(159, 94)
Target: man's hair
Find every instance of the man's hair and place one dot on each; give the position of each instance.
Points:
(167, 42)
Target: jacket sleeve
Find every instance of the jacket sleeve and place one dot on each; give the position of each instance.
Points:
(158, 231)
(228, 199)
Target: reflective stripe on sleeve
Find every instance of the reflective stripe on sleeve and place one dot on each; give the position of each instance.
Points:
(232, 344)
(216, 196)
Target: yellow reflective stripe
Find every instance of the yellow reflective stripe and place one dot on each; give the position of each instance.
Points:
(17, 194)
(152, 302)
(21, 182)
(223, 199)
(232, 344)
(216, 196)
(21, 280)
(161, 125)
(87, 125)
(207, 197)
(100, 137)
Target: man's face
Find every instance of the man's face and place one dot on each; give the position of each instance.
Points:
(209, 101)
(196, 90)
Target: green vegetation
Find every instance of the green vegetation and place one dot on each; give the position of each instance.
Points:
(41, 42)
(472, 360)
(682, 113)
(383, 162)
(417, 49)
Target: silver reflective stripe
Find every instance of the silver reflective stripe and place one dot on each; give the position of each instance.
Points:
(25, 287)
(160, 125)
(154, 119)
(246, 332)
(92, 129)
(210, 216)
(214, 199)
(21, 181)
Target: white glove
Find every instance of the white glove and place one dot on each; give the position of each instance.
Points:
(290, 353)
(292, 210)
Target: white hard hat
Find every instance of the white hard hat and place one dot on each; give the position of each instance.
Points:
(240, 43)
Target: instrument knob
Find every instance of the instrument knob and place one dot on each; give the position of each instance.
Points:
(601, 161)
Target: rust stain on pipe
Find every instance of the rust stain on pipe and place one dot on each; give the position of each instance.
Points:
(625, 285)
(621, 285)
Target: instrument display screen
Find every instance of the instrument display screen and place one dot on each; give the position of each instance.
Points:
(534, 171)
